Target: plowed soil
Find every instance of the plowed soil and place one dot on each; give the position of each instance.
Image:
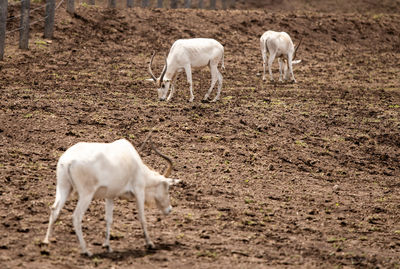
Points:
(281, 175)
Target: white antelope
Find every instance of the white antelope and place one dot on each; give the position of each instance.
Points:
(188, 54)
(278, 44)
(108, 171)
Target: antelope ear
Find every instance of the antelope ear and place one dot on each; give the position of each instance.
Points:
(173, 181)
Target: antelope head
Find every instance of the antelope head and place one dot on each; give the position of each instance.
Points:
(161, 84)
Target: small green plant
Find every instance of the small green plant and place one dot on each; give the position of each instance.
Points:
(250, 223)
(189, 217)
(207, 253)
(96, 260)
(116, 236)
(324, 115)
(248, 201)
(377, 16)
(363, 238)
(40, 43)
(300, 143)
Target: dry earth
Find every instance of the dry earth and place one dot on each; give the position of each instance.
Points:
(280, 175)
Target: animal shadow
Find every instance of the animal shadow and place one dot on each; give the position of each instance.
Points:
(118, 255)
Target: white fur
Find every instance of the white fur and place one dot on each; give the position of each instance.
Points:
(107, 171)
(188, 54)
(278, 44)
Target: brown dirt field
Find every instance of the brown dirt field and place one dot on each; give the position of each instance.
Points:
(282, 175)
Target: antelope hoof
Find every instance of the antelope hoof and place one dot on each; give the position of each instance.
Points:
(87, 253)
(150, 245)
(109, 249)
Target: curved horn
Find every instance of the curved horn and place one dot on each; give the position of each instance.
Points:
(168, 170)
(164, 71)
(295, 50)
(147, 138)
(150, 71)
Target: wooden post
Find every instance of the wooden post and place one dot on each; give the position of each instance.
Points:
(49, 19)
(188, 3)
(3, 21)
(201, 4)
(224, 4)
(212, 4)
(112, 3)
(129, 3)
(174, 4)
(145, 3)
(159, 3)
(71, 6)
(24, 32)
